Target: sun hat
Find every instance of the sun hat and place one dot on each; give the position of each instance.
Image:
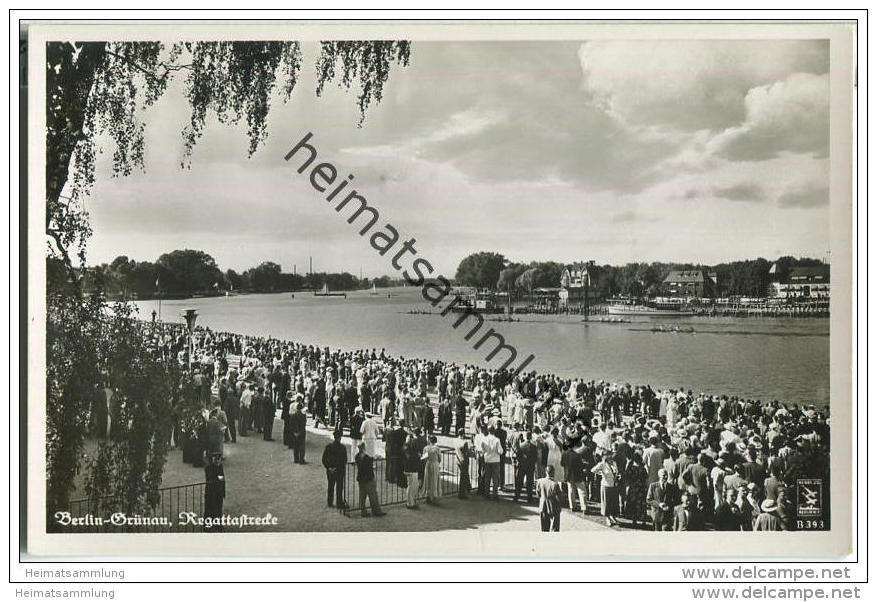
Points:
(769, 505)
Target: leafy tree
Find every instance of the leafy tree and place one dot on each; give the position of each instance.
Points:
(73, 333)
(189, 271)
(265, 277)
(527, 280)
(95, 91)
(508, 277)
(546, 274)
(233, 280)
(126, 472)
(480, 270)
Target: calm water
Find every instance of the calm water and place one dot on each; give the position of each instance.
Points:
(762, 358)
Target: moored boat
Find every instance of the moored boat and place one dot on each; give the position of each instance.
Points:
(645, 310)
(324, 292)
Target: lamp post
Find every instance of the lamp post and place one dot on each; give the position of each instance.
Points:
(190, 315)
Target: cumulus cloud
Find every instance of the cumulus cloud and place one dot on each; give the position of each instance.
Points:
(690, 84)
(536, 149)
(788, 116)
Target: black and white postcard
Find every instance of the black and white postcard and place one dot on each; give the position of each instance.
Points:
(441, 289)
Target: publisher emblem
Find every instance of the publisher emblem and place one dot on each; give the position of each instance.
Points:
(809, 497)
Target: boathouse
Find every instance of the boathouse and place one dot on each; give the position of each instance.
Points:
(804, 282)
(689, 283)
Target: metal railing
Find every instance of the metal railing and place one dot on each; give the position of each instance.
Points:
(390, 492)
(108, 514)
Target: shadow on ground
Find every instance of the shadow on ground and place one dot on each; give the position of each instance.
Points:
(261, 478)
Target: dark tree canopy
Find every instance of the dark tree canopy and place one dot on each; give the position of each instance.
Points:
(188, 272)
(480, 270)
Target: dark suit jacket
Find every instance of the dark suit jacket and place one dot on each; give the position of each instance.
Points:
(662, 494)
(297, 423)
(335, 456)
(693, 522)
(232, 405)
(526, 456)
(698, 476)
(365, 470)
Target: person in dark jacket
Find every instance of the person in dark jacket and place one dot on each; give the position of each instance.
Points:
(268, 413)
(335, 462)
(413, 465)
(215, 432)
(727, 515)
(298, 433)
(574, 474)
(395, 443)
(445, 416)
(232, 407)
(365, 476)
(214, 490)
(525, 465)
(460, 405)
(697, 475)
(428, 419)
(356, 421)
(686, 516)
(285, 416)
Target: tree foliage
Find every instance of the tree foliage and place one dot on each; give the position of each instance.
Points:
(188, 271)
(97, 90)
(481, 270)
(95, 95)
(749, 277)
(73, 335)
(126, 471)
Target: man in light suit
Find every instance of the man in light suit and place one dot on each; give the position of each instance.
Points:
(550, 500)
(661, 499)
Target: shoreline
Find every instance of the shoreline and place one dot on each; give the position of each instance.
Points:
(479, 367)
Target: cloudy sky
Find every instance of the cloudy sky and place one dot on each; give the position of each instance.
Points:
(615, 151)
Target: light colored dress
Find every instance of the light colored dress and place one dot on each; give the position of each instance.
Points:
(431, 472)
(369, 430)
(554, 455)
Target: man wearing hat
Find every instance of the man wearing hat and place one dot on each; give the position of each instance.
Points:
(335, 463)
(369, 430)
(768, 519)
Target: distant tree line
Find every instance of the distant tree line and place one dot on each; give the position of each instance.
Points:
(183, 273)
(188, 272)
(750, 277)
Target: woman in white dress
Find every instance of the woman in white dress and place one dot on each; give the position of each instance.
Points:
(609, 476)
(432, 471)
(369, 430)
(555, 451)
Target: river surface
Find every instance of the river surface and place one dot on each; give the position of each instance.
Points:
(759, 358)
